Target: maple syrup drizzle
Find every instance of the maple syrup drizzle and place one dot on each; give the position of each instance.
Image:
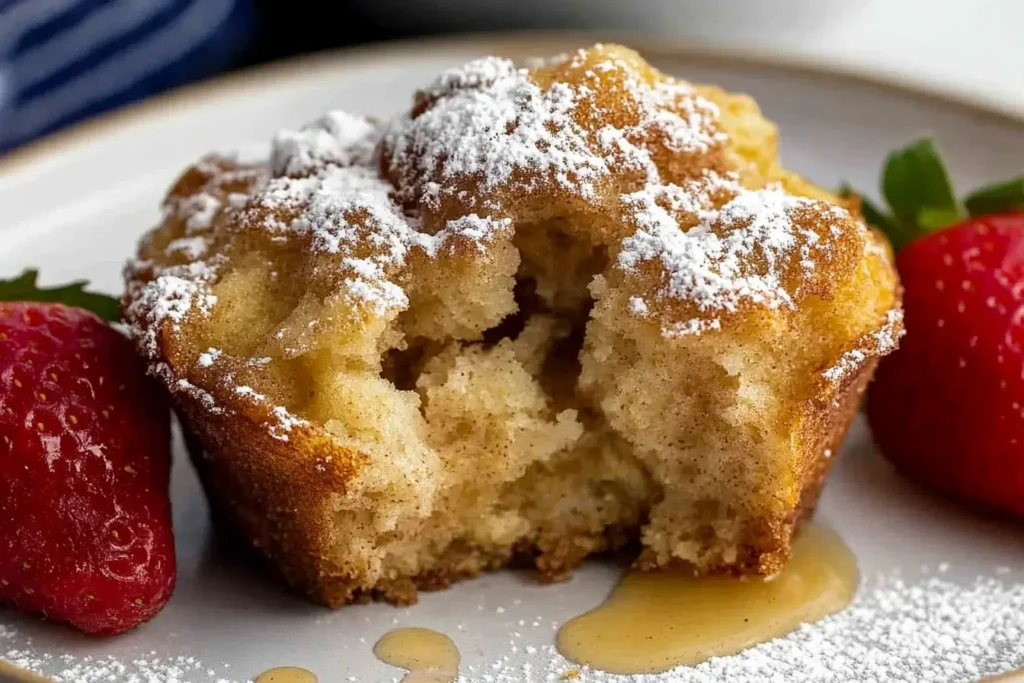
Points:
(427, 656)
(287, 674)
(654, 621)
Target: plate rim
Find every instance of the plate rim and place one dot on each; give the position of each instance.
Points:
(544, 41)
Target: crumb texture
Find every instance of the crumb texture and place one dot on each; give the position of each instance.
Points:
(547, 312)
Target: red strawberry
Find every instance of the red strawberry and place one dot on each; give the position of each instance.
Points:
(947, 408)
(85, 523)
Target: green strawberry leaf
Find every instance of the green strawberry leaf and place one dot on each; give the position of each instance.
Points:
(24, 288)
(996, 198)
(917, 188)
(920, 196)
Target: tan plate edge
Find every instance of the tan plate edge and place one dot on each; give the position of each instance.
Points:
(507, 43)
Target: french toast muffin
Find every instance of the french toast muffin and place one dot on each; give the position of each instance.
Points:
(547, 312)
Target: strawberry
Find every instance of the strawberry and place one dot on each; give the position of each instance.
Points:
(947, 408)
(85, 519)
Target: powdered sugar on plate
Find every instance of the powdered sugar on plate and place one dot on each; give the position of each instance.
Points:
(897, 630)
(144, 669)
(925, 628)
(148, 667)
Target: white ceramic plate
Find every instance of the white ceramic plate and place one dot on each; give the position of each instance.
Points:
(75, 204)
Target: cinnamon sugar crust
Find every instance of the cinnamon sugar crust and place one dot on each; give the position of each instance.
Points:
(546, 313)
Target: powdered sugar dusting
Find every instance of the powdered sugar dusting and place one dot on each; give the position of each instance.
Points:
(879, 343)
(106, 669)
(721, 246)
(284, 424)
(170, 297)
(208, 357)
(191, 247)
(249, 392)
(848, 363)
(736, 254)
(899, 629)
(477, 230)
(336, 138)
(283, 421)
(479, 73)
(342, 209)
(638, 306)
(182, 385)
(491, 122)
(198, 210)
(686, 121)
(691, 327)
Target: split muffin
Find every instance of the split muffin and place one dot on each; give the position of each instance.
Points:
(545, 313)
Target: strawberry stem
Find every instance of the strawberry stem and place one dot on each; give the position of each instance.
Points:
(920, 196)
(917, 188)
(24, 288)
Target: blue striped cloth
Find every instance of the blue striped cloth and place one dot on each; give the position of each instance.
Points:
(64, 60)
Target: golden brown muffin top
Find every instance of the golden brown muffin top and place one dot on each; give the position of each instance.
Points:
(699, 234)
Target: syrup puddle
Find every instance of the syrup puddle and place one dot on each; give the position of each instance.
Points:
(428, 656)
(287, 674)
(654, 621)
